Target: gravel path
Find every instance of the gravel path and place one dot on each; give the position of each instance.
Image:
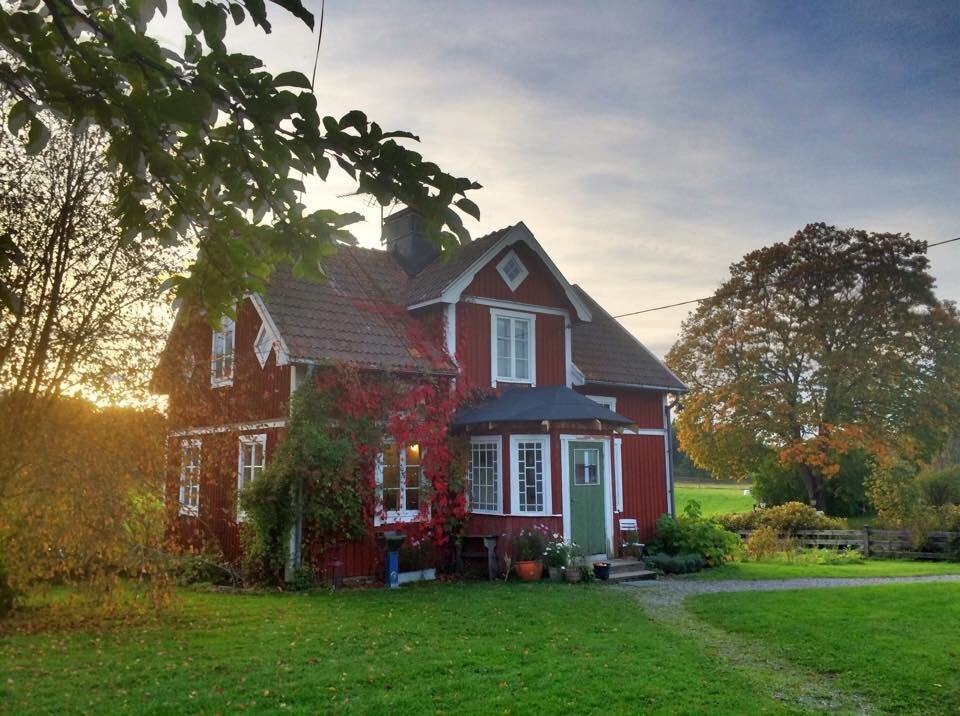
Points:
(676, 590)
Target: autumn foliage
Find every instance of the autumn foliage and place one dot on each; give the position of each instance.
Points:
(829, 344)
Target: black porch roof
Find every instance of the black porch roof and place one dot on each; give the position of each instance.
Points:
(549, 402)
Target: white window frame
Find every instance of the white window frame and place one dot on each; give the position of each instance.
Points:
(227, 325)
(382, 516)
(255, 469)
(544, 441)
(495, 377)
(512, 283)
(606, 401)
(498, 442)
(185, 508)
(263, 345)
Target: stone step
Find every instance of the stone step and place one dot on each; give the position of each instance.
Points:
(624, 565)
(635, 575)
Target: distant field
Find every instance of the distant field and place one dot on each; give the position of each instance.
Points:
(713, 498)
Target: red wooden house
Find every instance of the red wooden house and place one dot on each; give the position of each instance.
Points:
(574, 435)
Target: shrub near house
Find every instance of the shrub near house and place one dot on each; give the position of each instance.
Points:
(561, 414)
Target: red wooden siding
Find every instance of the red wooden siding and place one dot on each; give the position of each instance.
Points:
(256, 394)
(644, 481)
(473, 346)
(539, 287)
(644, 407)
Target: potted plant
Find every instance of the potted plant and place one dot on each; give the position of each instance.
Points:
(529, 547)
(572, 572)
(556, 555)
(601, 570)
(417, 561)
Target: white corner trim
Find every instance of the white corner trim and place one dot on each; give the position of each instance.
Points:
(518, 233)
(450, 331)
(283, 352)
(495, 378)
(565, 441)
(544, 441)
(576, 375)
(618, 472)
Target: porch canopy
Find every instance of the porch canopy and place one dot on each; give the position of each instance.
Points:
(549, 402)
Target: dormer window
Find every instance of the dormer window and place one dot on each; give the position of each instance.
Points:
(512, 270)
(221, 354)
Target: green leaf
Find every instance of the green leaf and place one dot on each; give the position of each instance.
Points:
(193, 50)
(38, 137)
(468, 207)
(297, 9)
(20, 114)
(237, 12)
(292, 79)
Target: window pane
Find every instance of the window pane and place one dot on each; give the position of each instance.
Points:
(412, 496)
(484, 477)
(586, 467)
(530, 476)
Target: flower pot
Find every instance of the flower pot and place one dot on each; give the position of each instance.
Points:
(556, 574)
(529, 571)
(573, 574)
(601, 570)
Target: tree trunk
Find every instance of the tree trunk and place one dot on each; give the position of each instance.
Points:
(816, 492)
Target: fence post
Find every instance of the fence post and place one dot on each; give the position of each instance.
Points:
(866, 540)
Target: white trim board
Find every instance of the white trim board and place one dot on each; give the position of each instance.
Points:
(232, 427)
(283, 352)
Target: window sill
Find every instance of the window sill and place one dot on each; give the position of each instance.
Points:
(391, 518)
(495, 513)
(188, 511)
(517, 381)
(221, 383)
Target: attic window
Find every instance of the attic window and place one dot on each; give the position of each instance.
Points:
(512, 270)
(263, 345)
(221, 354)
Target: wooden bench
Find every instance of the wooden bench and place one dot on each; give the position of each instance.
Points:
(478, 547)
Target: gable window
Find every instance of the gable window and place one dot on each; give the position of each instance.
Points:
(512, 270)
(400, 479)
(606, 401)
(250, 463)
(189, 477)
(513, 347)
(221, 354)
(486, 490)
(530, 460)
(263, 345)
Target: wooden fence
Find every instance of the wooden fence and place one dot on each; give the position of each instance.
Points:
(882, 543)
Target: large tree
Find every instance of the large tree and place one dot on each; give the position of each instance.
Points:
(831, 342)
(209, 146)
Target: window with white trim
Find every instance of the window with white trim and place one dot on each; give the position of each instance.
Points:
(606, 401)
(530, 460)
(513, 349)
(190, 477)
(400, 482)
(486, 489)
(221, 354)
(250, 463)
(512, 270)
(263, 345)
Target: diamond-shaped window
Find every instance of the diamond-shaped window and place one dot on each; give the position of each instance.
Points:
(512, 270)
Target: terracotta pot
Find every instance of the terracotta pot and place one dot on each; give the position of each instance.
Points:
(529, 571)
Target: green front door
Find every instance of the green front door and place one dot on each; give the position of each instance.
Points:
(587, 514)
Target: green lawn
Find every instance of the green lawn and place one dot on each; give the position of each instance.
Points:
(788, 570)
(451, 648)
(898, 645)
(713, 498)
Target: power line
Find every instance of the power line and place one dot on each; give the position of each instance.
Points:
(698, 300)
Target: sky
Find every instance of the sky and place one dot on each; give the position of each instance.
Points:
(650, 145)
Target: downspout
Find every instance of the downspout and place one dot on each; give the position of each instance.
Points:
(295, 552)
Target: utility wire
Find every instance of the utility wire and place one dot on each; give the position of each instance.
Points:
(698, 300)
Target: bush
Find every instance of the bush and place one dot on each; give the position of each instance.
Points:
(820, 555)
(691, 533)
(763, 542)
(7, 593)
(675, 564)
(302, 579)
(783, 519)
(940, 488)
(206, 567)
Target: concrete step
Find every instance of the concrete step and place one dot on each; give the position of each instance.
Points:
(624, 565)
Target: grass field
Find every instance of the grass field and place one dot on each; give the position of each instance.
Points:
(788, 570)
(897, 645)
(447, 648)
(713, 498)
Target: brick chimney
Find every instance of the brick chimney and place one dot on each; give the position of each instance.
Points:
(404, 238)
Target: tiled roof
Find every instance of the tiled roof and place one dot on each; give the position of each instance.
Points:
(356, 315)
(606, 352)
(429, 283)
